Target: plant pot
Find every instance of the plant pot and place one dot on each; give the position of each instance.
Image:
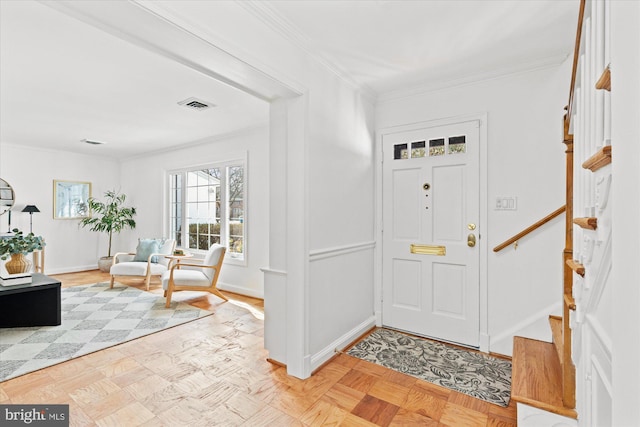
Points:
(104, 263)
(18, 264)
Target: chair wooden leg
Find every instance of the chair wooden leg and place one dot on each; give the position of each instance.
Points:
(165, 294)
(219, 294)
(147, 280)
(111, 282)
(168, 292)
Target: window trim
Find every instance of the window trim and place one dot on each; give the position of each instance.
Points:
(233, 161)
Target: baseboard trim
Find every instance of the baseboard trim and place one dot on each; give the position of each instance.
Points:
(318, 359)
(378, 317)
(275, 362)
(528, 416)
(541, 317)
(240, 290)
(485, 342)
(64, 270)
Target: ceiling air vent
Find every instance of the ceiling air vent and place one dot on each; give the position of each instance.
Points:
(196, 104)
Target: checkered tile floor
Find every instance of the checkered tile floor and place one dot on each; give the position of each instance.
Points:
(94, 317)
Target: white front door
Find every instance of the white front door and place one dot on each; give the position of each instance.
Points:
(431, 187)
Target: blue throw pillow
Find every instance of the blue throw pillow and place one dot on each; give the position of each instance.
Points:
(145, 248)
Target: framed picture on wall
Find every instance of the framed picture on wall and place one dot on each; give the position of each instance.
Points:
(71, 199)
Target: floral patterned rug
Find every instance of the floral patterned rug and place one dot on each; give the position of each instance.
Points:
(476, 374)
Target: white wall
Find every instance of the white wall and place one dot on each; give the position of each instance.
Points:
(144, 181)
(31, 173)
(70, 248)
(341, 215)
(324, 281)
(326, 137)
(526, 160)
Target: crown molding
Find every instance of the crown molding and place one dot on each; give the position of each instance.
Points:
(202, 141)
(277, 22)
(41, 149)
(498, 73)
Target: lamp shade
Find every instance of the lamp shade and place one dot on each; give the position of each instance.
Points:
(30, 209)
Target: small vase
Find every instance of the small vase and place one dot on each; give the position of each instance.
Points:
(18, 264)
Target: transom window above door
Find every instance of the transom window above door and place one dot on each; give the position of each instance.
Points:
(432, 148)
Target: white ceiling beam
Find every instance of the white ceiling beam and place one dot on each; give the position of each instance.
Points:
(136, 24)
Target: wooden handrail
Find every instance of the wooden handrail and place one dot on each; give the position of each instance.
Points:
(576, 56)
(529, 229)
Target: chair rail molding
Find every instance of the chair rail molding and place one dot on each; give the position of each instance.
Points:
(318, 254)
(268, 270)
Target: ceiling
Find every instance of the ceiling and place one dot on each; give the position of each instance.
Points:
(62, 80)
(389, 45)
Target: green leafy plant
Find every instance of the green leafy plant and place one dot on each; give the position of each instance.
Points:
(110, 216)
(19, 243)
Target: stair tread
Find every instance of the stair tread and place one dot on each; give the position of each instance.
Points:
(537, 376)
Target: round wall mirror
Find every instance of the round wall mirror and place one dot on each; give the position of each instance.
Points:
(7, 196)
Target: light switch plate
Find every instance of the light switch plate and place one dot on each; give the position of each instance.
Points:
(506, 203)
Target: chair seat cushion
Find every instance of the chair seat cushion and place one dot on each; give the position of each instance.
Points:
(136, 269)
(186, 278)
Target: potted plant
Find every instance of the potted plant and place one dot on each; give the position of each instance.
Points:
(109, 217)
(17, 246)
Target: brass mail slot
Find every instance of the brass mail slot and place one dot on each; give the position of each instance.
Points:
(428, 250)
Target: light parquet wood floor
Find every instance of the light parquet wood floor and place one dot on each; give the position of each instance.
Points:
(213, 371)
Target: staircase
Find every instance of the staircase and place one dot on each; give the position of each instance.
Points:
(537, 372)
(544, 374)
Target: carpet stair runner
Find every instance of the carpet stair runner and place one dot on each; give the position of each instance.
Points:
(537, 374)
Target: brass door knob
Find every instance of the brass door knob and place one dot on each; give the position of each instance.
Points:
(471, 240)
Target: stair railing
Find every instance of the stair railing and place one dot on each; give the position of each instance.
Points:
(529, 229)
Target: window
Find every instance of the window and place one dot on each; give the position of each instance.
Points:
(207, 206)
(436, 147)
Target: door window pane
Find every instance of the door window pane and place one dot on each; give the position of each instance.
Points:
(417, 149)
(400, 152)
(436, 147)
(457, 144)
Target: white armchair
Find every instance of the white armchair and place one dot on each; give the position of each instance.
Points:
(203, 279)
(148, 260)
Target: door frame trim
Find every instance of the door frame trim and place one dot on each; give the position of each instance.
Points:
(483, 240)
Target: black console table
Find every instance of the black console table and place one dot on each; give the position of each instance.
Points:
(33, 304)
